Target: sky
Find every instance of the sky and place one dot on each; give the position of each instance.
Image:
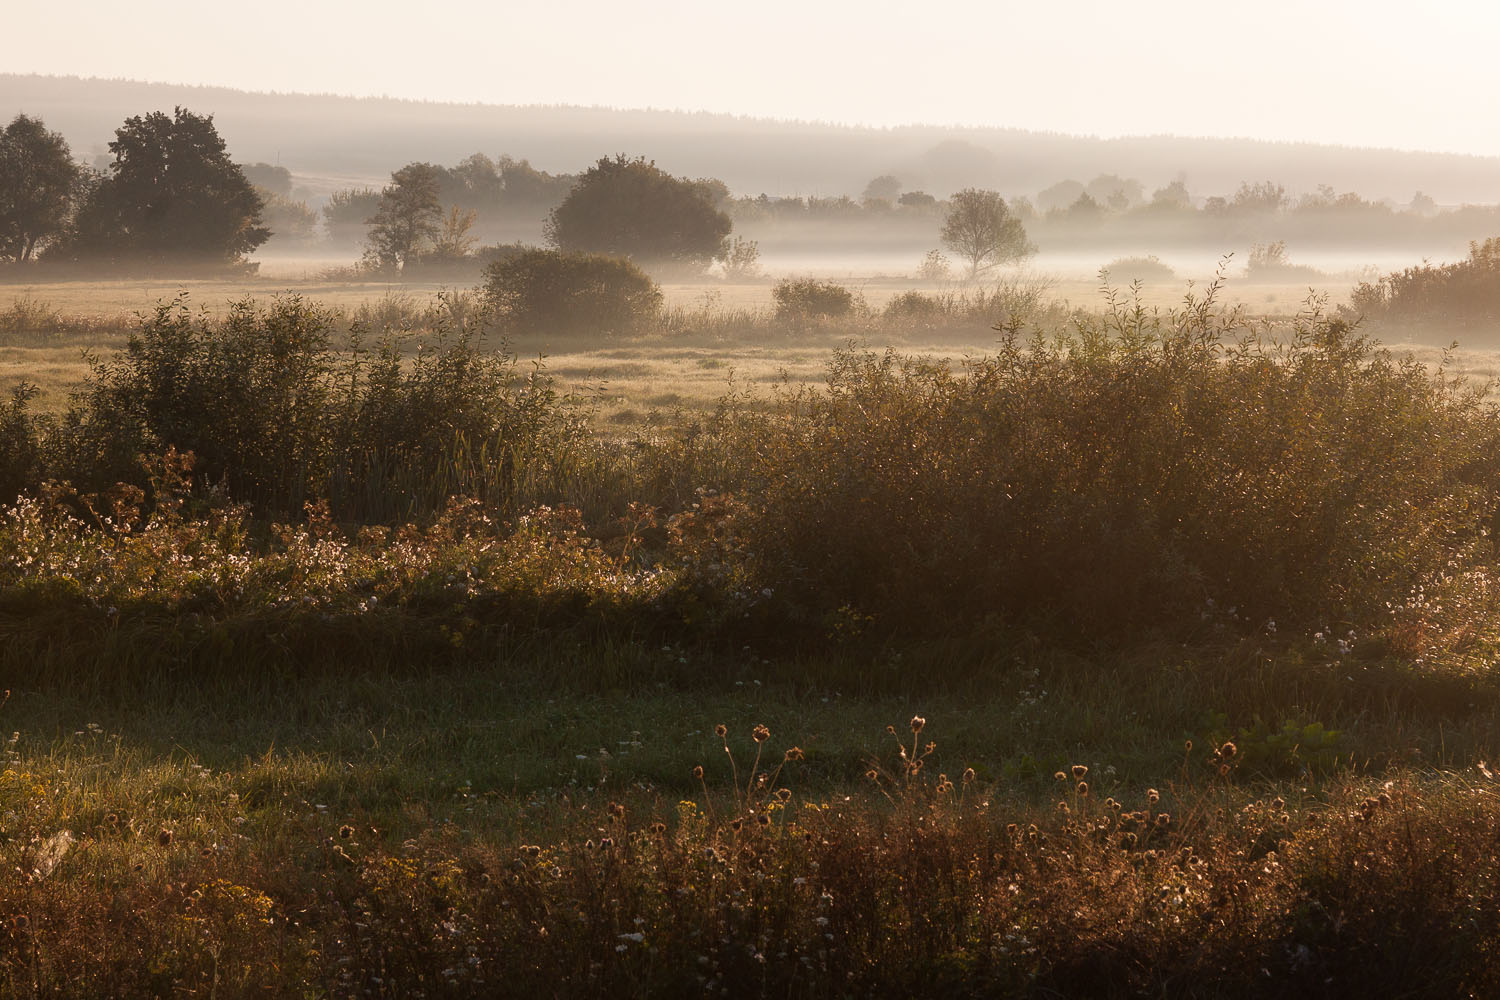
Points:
(1372, 73)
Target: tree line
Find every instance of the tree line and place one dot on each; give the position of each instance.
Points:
(172, 196)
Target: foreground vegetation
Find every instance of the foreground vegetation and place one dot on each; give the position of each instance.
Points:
(356, 671)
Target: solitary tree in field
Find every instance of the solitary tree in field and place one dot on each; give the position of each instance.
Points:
(635, 209)
(408, 219)
(172, 193)
(37, 181)
(980, 229)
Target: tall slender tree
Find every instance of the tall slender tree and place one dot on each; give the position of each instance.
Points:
(408, 219)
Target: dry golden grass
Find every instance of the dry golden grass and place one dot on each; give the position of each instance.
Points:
(629, 380)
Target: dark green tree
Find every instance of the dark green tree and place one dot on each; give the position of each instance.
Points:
(408, 219)
(172, 195)
(37, 181)
(634, 209)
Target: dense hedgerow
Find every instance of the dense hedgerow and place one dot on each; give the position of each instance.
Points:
(1126, 476)
(1465, 294)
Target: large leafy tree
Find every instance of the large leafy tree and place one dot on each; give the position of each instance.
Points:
(981, 230)
(635, 209)
(409, 218)
(171, 194)
(37, 181)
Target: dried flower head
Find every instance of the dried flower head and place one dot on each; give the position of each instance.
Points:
(346, 831)
(761, 734)
(1083, 789)
(968, 775)
(795, 753)
(1153, 796)
(917, 722)
(1079, 770)
(1163, 820)
(721, 730)
(783, 795)
(872, 774)
(616, 810)
(698, 772)
(1228, 750)
(1061, 776)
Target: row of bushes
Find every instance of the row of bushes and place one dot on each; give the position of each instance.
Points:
(1465, 294)
(1124, 477)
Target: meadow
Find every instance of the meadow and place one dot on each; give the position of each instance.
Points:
(1069, 646)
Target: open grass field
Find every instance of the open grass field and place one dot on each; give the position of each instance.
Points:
(631, 380)
(479, 755)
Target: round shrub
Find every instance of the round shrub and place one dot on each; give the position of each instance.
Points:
(804, 298)
(555, 291)
(1143, 269)
(915, 307)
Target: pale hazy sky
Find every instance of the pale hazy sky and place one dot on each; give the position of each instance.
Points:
(1419, 76)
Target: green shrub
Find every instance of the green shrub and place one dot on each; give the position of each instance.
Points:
(247, 395)
(552, 291)
(806, 298)
(275, 418)
(20, 448)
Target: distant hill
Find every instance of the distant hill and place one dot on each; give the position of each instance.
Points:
(329, 141)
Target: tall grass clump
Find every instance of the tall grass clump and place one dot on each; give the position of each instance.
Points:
(1125, 475)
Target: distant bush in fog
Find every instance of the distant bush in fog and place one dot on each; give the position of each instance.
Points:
(1128, 269)
(801, 298)
(1269, 262)
(553, 291)
(1465, 293)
